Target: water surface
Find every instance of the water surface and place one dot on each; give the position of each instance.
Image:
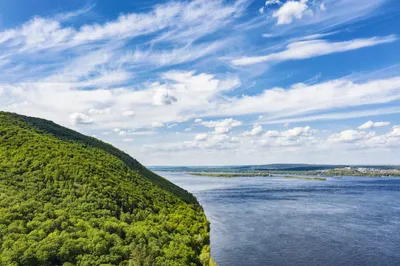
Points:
(277, 221)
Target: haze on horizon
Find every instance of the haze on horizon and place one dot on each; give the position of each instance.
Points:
(211, 82)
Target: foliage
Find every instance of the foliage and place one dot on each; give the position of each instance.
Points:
(262, 174)
(375, 172)
(67, 199)
(354, 172)
(305, 178)
(290, 169)
(45, 126)
(230, 175)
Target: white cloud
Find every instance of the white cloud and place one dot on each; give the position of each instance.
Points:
(226, 122)
(297, 131)
(256, 130)
(80, 119)
(295, 137)
(94, 111)
(195, 92)
(347, 136)
(172, 57)
(201, 137)
(209, 144)
(157, 125)
(302, 98)
(272, 2)
(69, 15)
(163, 97)
(370, 124)
(381, 124)
(298, 136)
(199, 95)
(314, 36)
(272, 134)
(335, 116)
(291, 10)
(284, 146)
(105, 79)
(313, 48)
(190, 19)
(122, 133)
(261, 10)
(363, 140)
(337, 13)
(395, 132)
(268, 35)
(172, 125)
(222, 130)
(222, 126)
(142, 133)
(128, 113)
(99, 73)
(38, 34)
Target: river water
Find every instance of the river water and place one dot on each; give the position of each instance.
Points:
(276, 221)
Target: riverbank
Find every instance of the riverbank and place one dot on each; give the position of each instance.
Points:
(305, 178)
(232, 175)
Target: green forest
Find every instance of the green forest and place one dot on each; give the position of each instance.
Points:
(68, 199)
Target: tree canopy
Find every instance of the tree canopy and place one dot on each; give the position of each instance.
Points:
(68, 199)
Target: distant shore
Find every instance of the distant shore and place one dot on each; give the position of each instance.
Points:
(231, 175)
(320, 175)
(228, 175)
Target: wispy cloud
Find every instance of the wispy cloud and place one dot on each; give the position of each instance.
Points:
(73, 14)
(303, 98)
(195, 66)
(176, 56)
(178, 20)
(335, 116)
(313, 48)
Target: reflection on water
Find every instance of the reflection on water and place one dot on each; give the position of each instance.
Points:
(277, 221)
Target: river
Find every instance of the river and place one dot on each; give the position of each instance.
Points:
(276, 221)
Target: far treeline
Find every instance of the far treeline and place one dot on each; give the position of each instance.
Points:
(324, 173)
(231, 175)
(304, 169)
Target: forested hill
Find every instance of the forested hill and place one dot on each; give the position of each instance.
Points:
(68, 199)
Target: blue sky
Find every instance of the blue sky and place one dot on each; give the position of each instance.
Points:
(211, 82)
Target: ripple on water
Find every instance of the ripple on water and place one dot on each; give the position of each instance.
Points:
(275, 221)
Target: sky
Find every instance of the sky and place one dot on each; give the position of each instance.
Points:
(211, 82)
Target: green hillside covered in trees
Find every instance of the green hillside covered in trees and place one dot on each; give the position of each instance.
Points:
(68, 199)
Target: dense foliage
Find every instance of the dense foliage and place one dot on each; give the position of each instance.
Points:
(67, 199)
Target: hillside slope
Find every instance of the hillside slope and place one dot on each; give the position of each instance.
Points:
(68, 199)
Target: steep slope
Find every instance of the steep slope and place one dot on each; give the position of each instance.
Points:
(68, 199)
